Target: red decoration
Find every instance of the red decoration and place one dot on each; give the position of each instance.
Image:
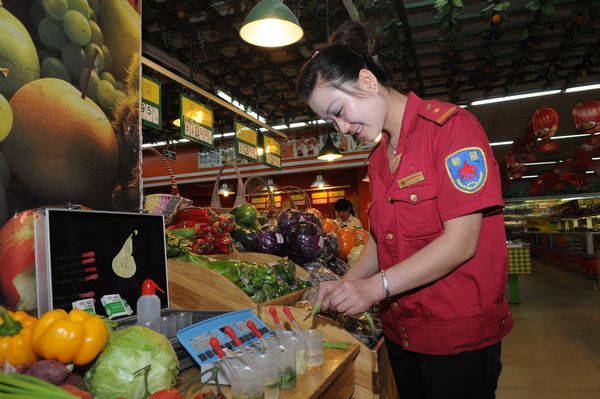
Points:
(586, 116)
(594, 140)
(511, 162)
(517, 175)
(548, 147)
(559, 186)
(531, 157)
(566, 176)
(545, 122)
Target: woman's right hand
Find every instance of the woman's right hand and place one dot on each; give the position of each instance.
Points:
(324, 291)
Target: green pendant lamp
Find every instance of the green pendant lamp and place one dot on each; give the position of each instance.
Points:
(271, 24)
(329, 152)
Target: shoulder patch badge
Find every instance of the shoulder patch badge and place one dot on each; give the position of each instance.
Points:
(467, 169)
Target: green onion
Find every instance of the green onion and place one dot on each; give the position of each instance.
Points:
(22, 386)
(335, 344)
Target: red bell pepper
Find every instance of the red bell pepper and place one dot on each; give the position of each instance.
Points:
(202, 245)
(223, 245)
(197, 214)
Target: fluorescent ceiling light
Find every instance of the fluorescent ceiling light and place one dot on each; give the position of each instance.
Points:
(501, 143)
(540, 163)
(297, 124)
(515, 97)
(463, 106)
(582, 88)
(241, 106)
(161, 143)
(569, 136)
(281, 127)
(530, 176)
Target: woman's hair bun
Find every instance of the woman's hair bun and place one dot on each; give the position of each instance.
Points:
(355, 35)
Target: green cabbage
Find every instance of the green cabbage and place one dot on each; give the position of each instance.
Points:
(129, 350)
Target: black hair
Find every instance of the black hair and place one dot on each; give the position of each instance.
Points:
(344, 205)
(340, 62)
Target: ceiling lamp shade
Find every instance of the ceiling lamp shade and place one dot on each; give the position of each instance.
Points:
(225, 190)
(271, 24)
(270, 185)
(329, 152)
(319, 182)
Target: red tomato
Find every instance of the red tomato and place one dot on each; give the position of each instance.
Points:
(172, 393)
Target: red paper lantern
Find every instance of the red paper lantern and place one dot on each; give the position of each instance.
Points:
(517, 175)
(545, 122)
(531, 157)
(594, 140)
(548, 147)
(586, 116)
(565, 176)
(511, 162)
(579, 175)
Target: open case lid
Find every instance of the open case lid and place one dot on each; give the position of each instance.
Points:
(75, 252)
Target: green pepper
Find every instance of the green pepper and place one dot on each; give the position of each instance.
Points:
(184, 232)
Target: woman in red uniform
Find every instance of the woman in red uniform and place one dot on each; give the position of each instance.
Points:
(436, 261)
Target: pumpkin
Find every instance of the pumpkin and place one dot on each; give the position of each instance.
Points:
(330, 226)
(349, 238)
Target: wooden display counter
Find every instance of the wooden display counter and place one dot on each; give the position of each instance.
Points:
(372, 370)
(192, 286)
(333, 380)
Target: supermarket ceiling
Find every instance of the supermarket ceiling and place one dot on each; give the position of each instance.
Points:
(462, 55)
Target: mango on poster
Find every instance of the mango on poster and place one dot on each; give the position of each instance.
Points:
(69, 117)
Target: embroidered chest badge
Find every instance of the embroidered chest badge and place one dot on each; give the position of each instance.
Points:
(467, 169)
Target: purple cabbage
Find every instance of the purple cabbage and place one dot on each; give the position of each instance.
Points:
(288, 218)
(305, 242)
(331, 246)
(338, 266)
(310, 216)
(269, 239)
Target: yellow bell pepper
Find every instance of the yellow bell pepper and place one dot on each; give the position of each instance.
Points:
(15, 337)
(74, 337)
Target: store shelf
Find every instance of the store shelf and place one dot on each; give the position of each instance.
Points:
(573, 251)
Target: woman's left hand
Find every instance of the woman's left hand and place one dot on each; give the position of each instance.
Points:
(353, 296)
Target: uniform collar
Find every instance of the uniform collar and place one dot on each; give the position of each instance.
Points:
(410, 114)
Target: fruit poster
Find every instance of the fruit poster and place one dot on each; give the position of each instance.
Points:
(69, 120)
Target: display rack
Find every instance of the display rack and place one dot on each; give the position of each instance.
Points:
(575, 251)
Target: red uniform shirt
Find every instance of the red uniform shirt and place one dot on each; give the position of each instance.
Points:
(446, 170)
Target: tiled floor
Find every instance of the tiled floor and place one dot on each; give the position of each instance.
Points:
(554, 349)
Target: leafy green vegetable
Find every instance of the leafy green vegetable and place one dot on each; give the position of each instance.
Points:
(287, 380)
(128, 351)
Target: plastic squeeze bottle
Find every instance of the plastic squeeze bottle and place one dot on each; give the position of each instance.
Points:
(148, 305)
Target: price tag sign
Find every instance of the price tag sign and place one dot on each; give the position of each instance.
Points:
(246, 142)
(196, 121)
(272, 151)
(151, 106)
(172, 155)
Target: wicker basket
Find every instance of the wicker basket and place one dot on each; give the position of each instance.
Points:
(166, 204)
(240, 197)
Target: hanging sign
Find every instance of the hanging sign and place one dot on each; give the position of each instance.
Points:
(196, 121)
(545, 122)
(172, 155)
(272, 152)
(586, 116)
(246, 142)
(151, 98)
